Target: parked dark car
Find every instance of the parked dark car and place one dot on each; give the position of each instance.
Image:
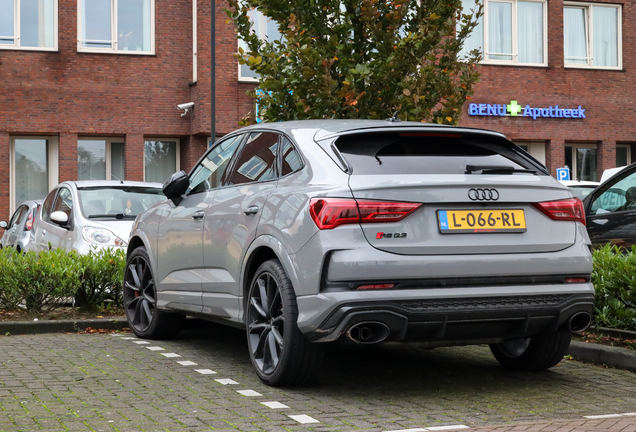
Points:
(17, 233)
(611, 210)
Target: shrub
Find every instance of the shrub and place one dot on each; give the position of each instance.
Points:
(46, 278)
(101, 276)
(10, 295)
(614, 279)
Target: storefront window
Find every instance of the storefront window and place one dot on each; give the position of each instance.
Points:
(161, 160)
(100, 159)
(581, 159)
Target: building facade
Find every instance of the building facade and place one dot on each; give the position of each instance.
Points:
(88, 89)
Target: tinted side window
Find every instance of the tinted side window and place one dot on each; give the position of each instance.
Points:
(258, 159)
(17, 216)
(291, 158)
(64, 202)
(426, 153)
(46, 207)
(620, 196)
(209, 173)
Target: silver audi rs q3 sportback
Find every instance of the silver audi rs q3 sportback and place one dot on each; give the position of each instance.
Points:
(310, 232)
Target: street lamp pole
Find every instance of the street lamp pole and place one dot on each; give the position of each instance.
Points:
(212, 71)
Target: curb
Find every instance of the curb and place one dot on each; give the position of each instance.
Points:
(60, 326)
(616, 357)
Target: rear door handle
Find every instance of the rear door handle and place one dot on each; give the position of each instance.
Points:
(198, 215)
(251, 210)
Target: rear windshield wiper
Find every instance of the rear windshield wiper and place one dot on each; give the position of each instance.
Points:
(496, 169)
(116, 216)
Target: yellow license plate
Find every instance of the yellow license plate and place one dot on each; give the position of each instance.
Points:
(481, 221)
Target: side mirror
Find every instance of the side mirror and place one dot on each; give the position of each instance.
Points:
(59, 217)
(176, 186)
(3, 225)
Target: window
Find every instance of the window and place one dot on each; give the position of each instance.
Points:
(161, 159)
(258, 159)
(33, 168)
(209, 173)
(536, 150)
(592, 35)
(266, 29)
(291, 158)
(100, 159)
(28, 24)
(122, 26)
(623, 155)
(581, 159)
(510, 32)
(64, 202)
(621, 196)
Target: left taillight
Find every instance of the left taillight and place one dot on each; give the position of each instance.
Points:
(329, 213)
(29, 223)
(570, 209)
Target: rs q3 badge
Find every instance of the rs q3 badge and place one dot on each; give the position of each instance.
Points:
(382, 235)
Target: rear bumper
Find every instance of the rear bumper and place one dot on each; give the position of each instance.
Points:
(453, 317)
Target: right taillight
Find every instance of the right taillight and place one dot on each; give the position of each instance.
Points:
(329, 213)
(570, 209)
(29, 223)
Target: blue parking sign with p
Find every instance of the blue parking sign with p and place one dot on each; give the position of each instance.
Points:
(563, 173)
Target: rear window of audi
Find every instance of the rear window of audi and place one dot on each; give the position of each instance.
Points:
(433, 153)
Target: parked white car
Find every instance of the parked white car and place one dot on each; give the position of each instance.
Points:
(83, 215)
(580, 188)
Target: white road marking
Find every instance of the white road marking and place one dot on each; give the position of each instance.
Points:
(225, 381)
(409, 430)
(170, 355)
(603, 416)
(451, 427)
(142, 342)
(249, 393)
(629, 414)
(303, 418)
(128, 338)
(187, 363)
(205, 371)
(274, 405)
(155, 348)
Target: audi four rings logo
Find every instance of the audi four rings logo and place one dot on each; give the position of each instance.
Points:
(483, 194)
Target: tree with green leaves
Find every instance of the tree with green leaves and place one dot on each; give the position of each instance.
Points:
(360, 58)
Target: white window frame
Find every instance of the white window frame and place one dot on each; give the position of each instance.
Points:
(107, 155)
(587, 7)
(195, 50)
(113, 32)
(575, 146)
(16, 28)
(261, 31)
(629, 151)
(53, 164)
(178, 150)
(535, 148)
(515, 48)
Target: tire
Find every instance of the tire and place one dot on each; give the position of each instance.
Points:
(279, 352)
(140, 301)
(537, 353)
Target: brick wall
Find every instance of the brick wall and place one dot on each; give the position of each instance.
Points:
(606, 95)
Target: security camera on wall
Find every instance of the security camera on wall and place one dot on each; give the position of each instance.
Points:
(186, 107)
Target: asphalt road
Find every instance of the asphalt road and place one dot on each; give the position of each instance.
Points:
(101, 382)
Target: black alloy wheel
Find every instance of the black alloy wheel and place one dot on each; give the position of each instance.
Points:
(267, 323)
(140, 300)
(280, 353)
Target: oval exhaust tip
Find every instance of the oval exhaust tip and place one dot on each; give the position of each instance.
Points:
(579, 322)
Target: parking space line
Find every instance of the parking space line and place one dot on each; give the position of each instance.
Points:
(451, 427)
(155, 348)
(274, 405)
(409, 430)
(187, 363)
(250, 393)
(205, 371)
(170, 355)
(603, 416)
(303, 418)
(142, 342)
(226, 381)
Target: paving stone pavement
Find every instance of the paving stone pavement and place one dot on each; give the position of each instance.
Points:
(100, 382)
